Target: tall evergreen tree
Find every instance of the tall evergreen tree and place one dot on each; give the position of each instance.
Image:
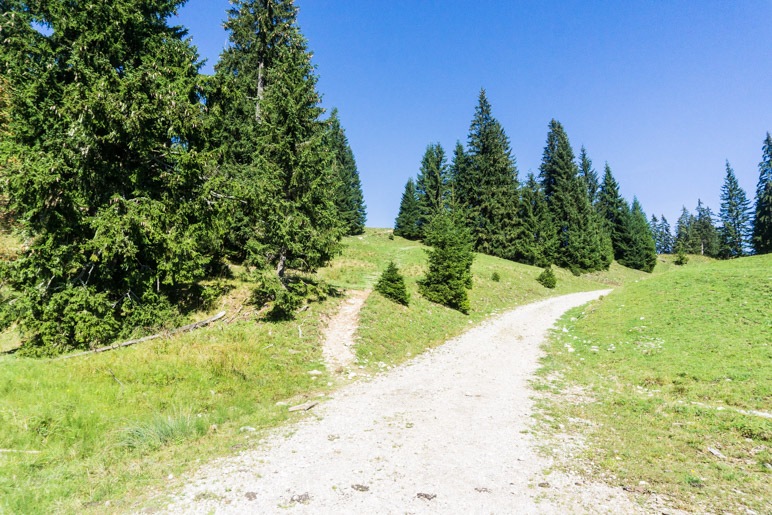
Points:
(458, 173)
(486, 186)
(348, 199)
(536, 238)
(589, 176)
(664, 238)
(407, 223)
(298, 222)
(705, 231)
(762, 221)
(686, 237)
(432, 184)
(450, 262)
(640, 249)
(735, 216)
(258, 32)
(654, 227)
(614, 212)
(578, 229)
(101, 166)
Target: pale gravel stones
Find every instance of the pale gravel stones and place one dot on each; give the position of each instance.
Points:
(450, 432)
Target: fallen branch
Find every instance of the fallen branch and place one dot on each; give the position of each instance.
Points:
(185, 328)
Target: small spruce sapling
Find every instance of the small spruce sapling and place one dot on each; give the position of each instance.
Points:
(547, 278)
(495, 277)
(681, 257)
(391, 285)
(450, 262)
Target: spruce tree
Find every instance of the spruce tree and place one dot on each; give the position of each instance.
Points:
(536, 238)
(589, 176)
(654, 228)
(298, 221)
(735, 217)
(258, 31)
(432, 184)
(640, 249)
(614, 212)
(458, 173)
(276, 157)
(407, 223)
(762, 220)
(450, 262)
(686, 237)
(486, 186)
(664, 239)
(581, 246)
(391, 285)
(100, 161)
(705, 231)
(348, 199)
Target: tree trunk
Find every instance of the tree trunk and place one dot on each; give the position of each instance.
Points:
(281, 267)
(260, 88)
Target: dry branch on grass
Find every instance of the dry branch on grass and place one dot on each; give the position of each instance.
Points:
(189, 327)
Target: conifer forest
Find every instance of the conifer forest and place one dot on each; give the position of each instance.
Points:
(133, 178)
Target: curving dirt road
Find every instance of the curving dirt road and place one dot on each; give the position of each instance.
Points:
(446, 433)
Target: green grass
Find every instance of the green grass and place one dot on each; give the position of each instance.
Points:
(675, 365)
(109, 427)
(110, 424)
(390, 333)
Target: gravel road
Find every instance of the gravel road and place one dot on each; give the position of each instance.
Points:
(449, 432)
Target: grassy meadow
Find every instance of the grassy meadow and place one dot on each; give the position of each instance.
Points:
(670, 381)
(107, 428)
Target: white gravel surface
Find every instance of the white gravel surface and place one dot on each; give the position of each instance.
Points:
(446, 433)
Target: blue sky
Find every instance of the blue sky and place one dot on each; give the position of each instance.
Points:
(665, 91)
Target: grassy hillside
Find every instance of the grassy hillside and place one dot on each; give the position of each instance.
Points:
(671, 371)
(108, 426)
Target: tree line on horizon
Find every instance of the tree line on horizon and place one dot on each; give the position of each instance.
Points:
(133, 177)
(567, 216)
(739, 229)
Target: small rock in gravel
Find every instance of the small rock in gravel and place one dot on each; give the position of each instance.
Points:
(544, 484)
(314, 372)
(482, 490)
(428, 497)
(251, 496)
(302, 498)
(247, 429)
(360, 488)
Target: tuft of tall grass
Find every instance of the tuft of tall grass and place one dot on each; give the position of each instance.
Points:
(176, 427)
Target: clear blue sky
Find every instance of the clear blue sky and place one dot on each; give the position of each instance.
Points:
(665, 91)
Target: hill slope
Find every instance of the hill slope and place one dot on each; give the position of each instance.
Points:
(105, 426)
(677, 379)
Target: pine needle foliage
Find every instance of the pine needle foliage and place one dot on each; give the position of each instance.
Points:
(547, 278)
(450, 262)
(640, 251)
(735, 216)
(391, 285)
(432, 184)
(762, 221)
(348, 198)
(614, 212)
(101, 164)
(582, 245)
(485, 183)
(536, 240)
(409, 216)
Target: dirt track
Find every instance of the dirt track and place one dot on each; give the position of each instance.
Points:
(446, 433)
